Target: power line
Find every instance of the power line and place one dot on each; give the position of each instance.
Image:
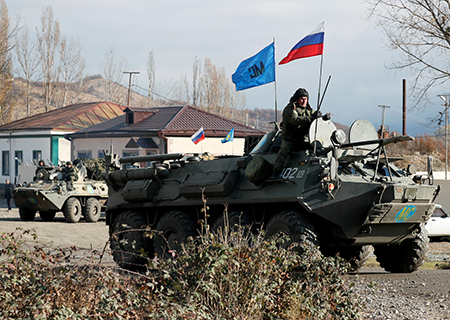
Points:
(156, 94)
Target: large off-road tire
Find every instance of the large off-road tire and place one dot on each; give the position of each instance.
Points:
(405, 257)
(131, 249)
(233, 221)
(356, 256)
(174, 228)
(47, 215)
(72, 210)
(299, 230)
(27, 214)
(92, 210)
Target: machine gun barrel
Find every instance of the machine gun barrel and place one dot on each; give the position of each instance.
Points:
(153, 157)
(380, 142)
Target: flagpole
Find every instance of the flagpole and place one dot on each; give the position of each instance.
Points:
(318, 99)
(320, 80)
(275, 86)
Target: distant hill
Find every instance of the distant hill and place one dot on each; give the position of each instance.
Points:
(94, 89)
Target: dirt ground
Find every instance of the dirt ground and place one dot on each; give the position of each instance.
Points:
(94, 236)
(85, 236)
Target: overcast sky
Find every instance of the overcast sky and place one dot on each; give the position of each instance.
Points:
(230, 31)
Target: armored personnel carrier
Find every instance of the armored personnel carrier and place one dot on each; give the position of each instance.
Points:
(49, 193)
(340, 194)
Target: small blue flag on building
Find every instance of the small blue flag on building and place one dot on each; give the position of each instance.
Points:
(229, 137)
(257, 70)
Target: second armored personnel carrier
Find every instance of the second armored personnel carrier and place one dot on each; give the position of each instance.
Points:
(49, 193)
(339, 195)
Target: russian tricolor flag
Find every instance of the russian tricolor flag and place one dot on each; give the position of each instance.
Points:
(311, 45)
(198, 136)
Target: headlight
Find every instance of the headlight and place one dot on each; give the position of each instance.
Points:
(338, 137)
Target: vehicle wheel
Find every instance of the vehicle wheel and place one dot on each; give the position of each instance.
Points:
(27, 214)
(47, 215)
(356, 256)
(72, 210)
(130, 247)
(232, 221)
(406, 257)
(294, 225)
(92, 210)
(174, 228)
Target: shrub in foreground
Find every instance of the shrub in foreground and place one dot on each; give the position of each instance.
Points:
(225, 276)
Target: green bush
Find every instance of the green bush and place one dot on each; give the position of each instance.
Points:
(226, 276)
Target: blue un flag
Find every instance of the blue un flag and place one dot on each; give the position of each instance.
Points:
(257, 70)
(229, 137)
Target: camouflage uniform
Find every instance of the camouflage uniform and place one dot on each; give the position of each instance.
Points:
(70, 173)
(295, 128)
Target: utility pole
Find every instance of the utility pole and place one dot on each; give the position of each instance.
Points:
(129, 85)
(404, 107)
(382, 120)
(445, 98)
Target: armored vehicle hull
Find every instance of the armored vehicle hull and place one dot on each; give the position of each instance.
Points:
(83, 198)
(338, 196)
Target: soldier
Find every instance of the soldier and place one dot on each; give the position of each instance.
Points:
(8, 194)
(297, 118)
(70, 173)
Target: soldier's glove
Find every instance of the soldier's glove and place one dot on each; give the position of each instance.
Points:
(317, 114)
(326, 117)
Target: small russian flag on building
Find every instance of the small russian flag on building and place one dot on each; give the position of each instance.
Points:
(198, 136)
(311, 45)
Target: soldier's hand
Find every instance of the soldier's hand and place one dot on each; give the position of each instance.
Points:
(326, 116)
(317, 114)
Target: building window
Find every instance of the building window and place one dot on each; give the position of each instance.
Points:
(18, 160)
(129, 154)
(84, 154)
(5, 163)
(101, 154)
(37, 155)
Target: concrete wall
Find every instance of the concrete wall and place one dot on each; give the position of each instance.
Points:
(174, 145)
(96, 146)
(444, 196)
(211, 145)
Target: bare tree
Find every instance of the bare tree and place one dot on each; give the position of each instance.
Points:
(112, 70)
(151, 75)
(28, 61)
(196, 72)
(48, 42)
(7, 32)
(216, 93)
(420, 31)
(71, 68)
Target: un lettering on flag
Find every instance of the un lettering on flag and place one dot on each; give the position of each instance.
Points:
(256, 70)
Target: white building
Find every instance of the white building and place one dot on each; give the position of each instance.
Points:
(161, 130)
(42, 136)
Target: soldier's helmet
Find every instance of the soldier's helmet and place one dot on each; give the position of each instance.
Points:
(69, 162)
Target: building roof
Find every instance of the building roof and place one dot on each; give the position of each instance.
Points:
(70, 118)
(169, 121)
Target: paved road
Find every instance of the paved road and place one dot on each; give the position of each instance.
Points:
(85, 236)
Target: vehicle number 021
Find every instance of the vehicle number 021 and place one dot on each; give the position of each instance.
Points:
(291, 173)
